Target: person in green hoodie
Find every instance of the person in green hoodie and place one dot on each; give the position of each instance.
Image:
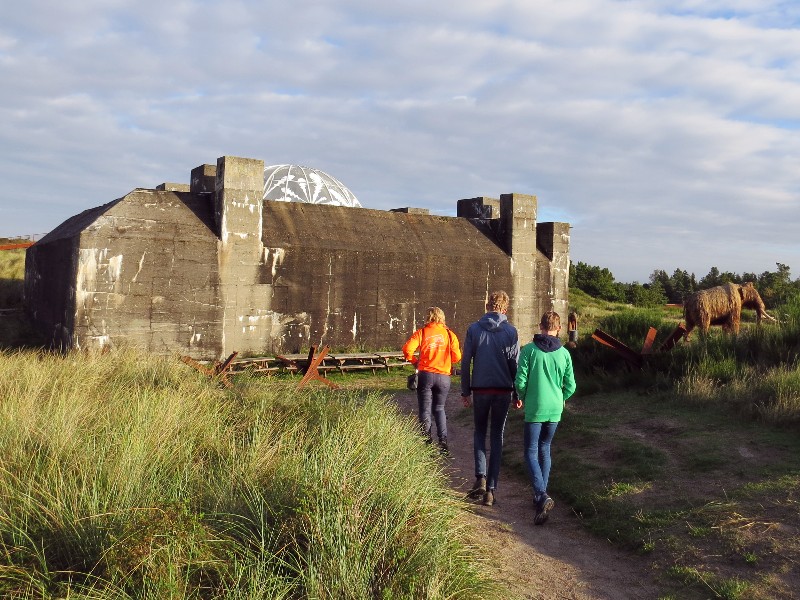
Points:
(544, 381)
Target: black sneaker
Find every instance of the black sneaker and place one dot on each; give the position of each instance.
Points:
(443, 447)
(479, 489)
(488, 498)
(543, 507)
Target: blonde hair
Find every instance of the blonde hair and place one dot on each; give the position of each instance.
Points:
(498, 301)
(550, 321)
(435, 315)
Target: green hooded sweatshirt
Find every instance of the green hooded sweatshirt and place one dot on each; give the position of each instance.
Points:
(544, 378)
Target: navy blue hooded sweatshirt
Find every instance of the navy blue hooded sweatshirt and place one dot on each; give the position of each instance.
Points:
(489, 355)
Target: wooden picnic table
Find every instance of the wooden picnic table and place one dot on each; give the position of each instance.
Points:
(343, 362)
(258, 364)
(293, 362)
(392, 359)
(298, 363)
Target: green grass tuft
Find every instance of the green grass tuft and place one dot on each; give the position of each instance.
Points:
(129, 476)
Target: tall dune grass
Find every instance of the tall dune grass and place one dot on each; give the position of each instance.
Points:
(129, 476)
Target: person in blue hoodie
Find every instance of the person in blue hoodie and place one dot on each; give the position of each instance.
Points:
(488, 366)
(544, 381)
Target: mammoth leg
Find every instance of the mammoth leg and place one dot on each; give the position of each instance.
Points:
(734, 322)
(690, 325)
(705, 323)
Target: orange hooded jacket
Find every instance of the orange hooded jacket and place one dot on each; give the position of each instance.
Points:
(438, 349)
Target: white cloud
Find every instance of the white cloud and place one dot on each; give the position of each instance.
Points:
(659, 131)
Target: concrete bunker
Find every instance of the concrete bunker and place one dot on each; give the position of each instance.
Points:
(211, 267)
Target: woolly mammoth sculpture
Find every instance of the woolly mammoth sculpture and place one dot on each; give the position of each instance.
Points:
(722, 305)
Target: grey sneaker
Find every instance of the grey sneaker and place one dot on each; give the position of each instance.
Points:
(479, 489)
(543, 507)
(488, 498)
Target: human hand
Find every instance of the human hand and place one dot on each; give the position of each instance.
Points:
(467, 400)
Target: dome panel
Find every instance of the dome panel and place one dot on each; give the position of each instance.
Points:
(295, 183)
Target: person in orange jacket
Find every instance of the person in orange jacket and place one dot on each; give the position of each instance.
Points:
(438, 350)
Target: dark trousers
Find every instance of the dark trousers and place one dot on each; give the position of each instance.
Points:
(489, 409)
(432, 392)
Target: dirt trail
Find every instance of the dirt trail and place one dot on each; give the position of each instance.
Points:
(556, 561)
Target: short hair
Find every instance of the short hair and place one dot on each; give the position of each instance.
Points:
(550, 321)
(498, 301)
(435, 315)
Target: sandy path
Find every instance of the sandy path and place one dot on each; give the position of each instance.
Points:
(558, 560)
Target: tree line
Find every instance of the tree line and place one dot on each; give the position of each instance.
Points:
(775, 287)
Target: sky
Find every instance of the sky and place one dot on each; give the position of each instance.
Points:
(665, 133)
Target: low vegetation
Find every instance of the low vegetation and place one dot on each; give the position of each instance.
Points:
(128, 476)
(694, 460)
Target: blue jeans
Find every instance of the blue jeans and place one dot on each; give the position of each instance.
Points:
(432, 390)
(538, 437)
(488, 408)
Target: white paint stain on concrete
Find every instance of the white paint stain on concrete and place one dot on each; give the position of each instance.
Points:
(139, 270)
(355, 326)
(87, 275)
(253, 323)
(94, 262)
(98, 342)
(114, 269)
(486, 298)
(223, 228)
(328, 300)
(254, 319)
(278, 254)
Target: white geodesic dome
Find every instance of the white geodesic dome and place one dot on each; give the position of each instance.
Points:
(294, 183)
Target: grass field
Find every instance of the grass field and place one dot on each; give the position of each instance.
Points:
(702, 480)
(120, 470)
(693, 460)
(130, 476)
(712, 498)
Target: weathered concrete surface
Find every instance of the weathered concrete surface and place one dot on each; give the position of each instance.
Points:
(217, 269)
(365, 277)
(138, 273)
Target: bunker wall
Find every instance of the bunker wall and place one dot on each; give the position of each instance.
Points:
(215, 269)
(49, 288)
(361, 279)
(146, 277)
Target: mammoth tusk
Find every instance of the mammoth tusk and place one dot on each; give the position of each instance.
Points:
(770, 317)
